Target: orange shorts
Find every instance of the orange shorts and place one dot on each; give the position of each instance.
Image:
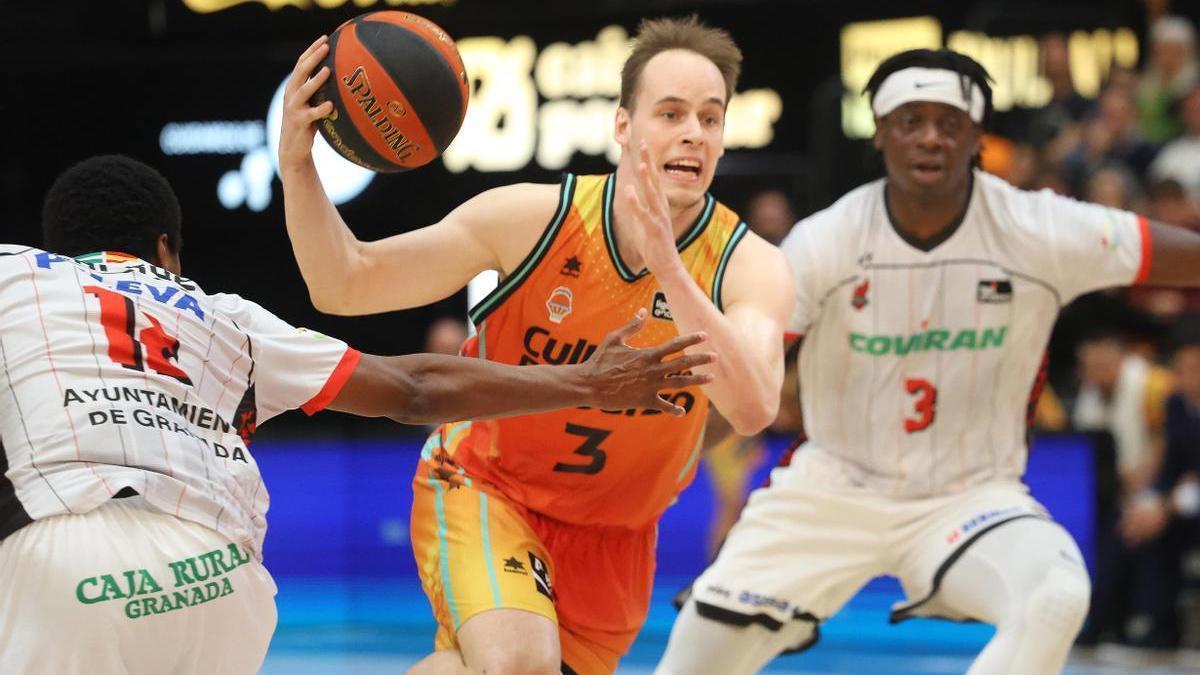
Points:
(477, 550)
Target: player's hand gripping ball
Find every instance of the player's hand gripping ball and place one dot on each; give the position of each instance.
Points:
(399, 91)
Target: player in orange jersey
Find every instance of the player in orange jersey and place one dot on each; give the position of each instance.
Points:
(535, 537)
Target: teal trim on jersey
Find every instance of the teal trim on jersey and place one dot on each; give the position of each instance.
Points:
(458, 431)
(719, 277)
(483, 340)
(691, 460)
(710, 205)
(610, 238)
(434, 441)
(93, 257)
(444, 550)
(487, 550)
(501, 293)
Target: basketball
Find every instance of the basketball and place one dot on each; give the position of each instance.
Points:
(399, 91)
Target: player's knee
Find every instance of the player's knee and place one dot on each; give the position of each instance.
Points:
(711, 645)
(520, 662)
(1059, 603)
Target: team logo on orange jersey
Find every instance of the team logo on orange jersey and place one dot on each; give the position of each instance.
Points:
(559, 303)
(860, 295)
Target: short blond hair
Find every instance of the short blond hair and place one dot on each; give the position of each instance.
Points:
(659, 35)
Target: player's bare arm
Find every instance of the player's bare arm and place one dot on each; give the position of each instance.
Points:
(757, 299)
(1175, 256)
(494, 230)
(429, 388)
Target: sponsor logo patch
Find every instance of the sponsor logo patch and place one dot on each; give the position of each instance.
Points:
(994, 291)
(977, 521)
(757, 600)
(541, 576)
(660, 309)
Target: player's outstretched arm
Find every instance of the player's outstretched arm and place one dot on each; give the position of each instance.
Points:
(757, 298)
(494, 230)
(1175, 256)
(429, 388)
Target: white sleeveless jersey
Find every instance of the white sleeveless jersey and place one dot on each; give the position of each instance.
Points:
(917, 367)
(118, 374)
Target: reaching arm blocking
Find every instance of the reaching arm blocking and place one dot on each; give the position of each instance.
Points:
(428, 388)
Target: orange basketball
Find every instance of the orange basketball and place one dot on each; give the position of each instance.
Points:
(399, 91)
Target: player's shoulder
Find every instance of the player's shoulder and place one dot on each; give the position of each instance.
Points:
(238, 307)
(11, 255)
(17, 249)
(520, 195)
(13, 258)
(20, 258)
(853, 210)
(1003, 199)
(516, 205)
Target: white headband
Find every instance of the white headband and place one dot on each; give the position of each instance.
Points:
(935, 85)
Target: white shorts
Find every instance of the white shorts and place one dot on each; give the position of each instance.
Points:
(805, 545)
(128, 589)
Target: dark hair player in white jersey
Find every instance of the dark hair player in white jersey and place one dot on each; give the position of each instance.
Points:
(132, 514)
(926, 300)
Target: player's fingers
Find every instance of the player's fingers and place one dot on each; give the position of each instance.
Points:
(320, 111)
(308, 62)
(306, 90)
(653, 186)
(634, 199)
(623, 333)
(642, 184)
(687, 362)
(693, 380)
(680, 343)
(660, 403)
(316, 44)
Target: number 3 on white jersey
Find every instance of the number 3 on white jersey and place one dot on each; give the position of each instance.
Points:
(925, 406)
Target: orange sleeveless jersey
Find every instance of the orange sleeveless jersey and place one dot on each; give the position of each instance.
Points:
(585, 466)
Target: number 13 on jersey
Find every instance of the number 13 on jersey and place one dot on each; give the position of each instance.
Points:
(924, 407)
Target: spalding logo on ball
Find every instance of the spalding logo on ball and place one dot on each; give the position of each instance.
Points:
(399, 91)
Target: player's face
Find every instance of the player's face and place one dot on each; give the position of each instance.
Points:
(679, 110)
(927, 148)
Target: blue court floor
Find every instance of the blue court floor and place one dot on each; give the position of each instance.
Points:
(335, 627)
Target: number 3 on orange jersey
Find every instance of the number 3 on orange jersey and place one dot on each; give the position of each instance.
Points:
(590, 449)
(925, 406)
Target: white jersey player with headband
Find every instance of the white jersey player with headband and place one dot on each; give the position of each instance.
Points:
(132, 513)
(925, 300)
